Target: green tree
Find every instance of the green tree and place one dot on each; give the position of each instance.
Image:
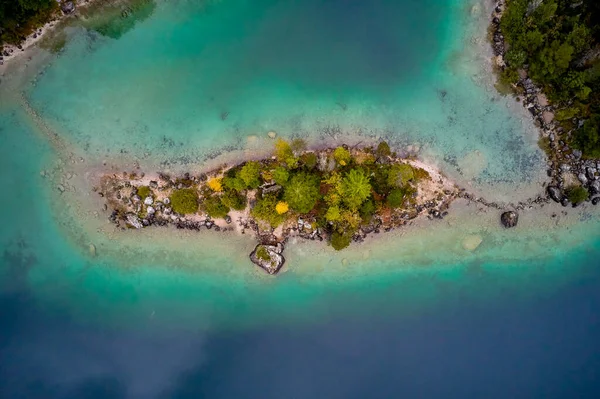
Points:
(250, 174)
(281, 175)
(234, 183)
(302, 192)
(265, 210)
(356, 188)
(396, 198)
(234, 200)
(184, 201)
(333, 214)
(367, 210)
(400, 174)
(214, 207)
(588, 137)
(342, 156)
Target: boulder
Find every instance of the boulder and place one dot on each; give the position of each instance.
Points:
(595, 187)
(67, 7)
(268, 257)
(590, 173)
(148, 201)
(509, 219)
(150, 210)
(134, 221)
(595, 201)
(272, 134)
(554, 193)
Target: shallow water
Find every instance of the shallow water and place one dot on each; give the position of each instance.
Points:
(185, 80)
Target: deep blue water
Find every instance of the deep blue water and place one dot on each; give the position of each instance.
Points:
(535, 346)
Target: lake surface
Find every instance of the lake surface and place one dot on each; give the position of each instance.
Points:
(186, 315)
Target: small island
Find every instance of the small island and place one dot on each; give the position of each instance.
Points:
(336, 195)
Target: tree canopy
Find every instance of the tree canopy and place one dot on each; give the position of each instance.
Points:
(558, 40)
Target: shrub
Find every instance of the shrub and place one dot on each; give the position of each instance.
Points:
(214, 207)
(309, 160)
(250, 174)
(281, 175)
(298, 145)
(234, 200)
(356, 188)
(400, 174)
(262, 253)
(341, 240)
(215, 184)
(265, 210)
(302, 192)
(421, 174)
(396, 198)
(342, 156)
(144, 191)
(366, 211)
(281, 207)
(577, 194)
(184, 201)
(383, 150)
(285, 154)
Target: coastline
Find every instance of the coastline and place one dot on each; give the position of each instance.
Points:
(565, 166)
(130, 209)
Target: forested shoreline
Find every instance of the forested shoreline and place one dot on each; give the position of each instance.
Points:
(19, 18)
(556, 43)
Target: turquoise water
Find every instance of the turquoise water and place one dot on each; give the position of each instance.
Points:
(192, 79)
(310, 68)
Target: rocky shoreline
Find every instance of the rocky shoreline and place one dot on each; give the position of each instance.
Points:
(565, 166)
(133, 209)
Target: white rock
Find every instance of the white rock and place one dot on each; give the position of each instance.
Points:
(148, 201)
(167, 201)
(272, 134)
(151, 210)
(134, 221)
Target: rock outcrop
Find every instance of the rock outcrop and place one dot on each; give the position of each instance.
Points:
(268, 257)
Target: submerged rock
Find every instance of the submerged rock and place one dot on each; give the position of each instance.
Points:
(509, 219)
(268, 257)
(92, 250)
(472, 242)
